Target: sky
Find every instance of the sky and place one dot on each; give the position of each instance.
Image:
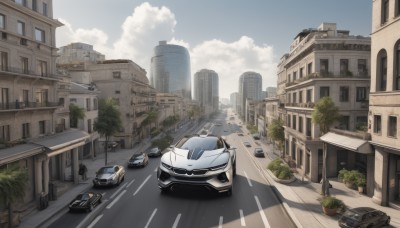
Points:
(228, 36)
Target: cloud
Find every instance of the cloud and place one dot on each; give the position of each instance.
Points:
(147, 25)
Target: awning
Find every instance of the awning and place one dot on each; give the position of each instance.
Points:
(19, 152)
(349, 143)
(61, 142)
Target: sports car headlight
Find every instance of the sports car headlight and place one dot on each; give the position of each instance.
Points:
(217, 167)
(166, 166)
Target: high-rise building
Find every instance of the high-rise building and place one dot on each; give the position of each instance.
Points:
(206, 90)
(170, 70)
(250, 87)
(384, 101)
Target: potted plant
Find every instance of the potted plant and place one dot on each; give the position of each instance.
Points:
(342, 172)
(330, 205)
(361, 181)
(350, 178)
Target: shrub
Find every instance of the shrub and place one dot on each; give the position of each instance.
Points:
(280, 170)
(342, 173)
(284, 173)
(361, 181)
(274, 164)
(331, 202)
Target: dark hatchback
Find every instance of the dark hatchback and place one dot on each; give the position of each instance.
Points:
(138, 160)
(364, 217)
(258, 152)
(85, 201)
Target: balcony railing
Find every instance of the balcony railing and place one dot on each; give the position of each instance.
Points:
(27, 72)
(326, 74)
(301, 105)
(26, 105)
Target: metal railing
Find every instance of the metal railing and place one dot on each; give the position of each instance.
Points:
(26, 105)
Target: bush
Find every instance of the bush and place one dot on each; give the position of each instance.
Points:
(331, 202)
(351, 176)
(361, 181)
(342, 173)
(280, 170)
(274, 164)
(284, 173)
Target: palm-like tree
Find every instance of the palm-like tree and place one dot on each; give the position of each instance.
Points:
(325, 114)
(75, 113)
(12, 188)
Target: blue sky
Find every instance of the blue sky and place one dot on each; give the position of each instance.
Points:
(228, 36)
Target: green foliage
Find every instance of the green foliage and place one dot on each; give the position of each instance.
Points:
(361, 180)
(351, 176)
(331, 202)
(170, 120)
(253, 129)
(325, 114)
(279, 169)
(13, 182)
(342, 172)
(75, 113)
(162, 143)
(151, 118)
(274, 164)
(276, 131)
(109, 120)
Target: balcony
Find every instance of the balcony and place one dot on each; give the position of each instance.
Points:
(326, 74)
(28, 73)
(301, 105)
(10, 106)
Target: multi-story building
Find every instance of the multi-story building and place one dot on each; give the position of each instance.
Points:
(250, 84)
(233, 100)
(271, 113)
(34, 119)
(384, 101)
(76, 53)
(270, 92)
(325, 62)
(206, 90)
(170, 105)
(170, 70)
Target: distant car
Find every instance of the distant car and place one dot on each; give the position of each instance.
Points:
(154, 152)
(109, 176)
(246, 144)
(256, 136)
(258, 152)
(364, 217)
(240, 134)
(85, 201)
(138, 160)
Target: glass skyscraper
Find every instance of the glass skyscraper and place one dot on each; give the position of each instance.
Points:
(206, 90)
(250, 84)
(170, 70)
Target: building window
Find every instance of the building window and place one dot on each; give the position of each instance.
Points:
(397, 67)
(72, 100)
(88, 104)
(300, 96)
(295, 76)
(42, 127)
(21, 28)
(89, 124)
(344, 67)
(294, 118)
(288, 121)
(294, 97)
(41, 98)
(3, 61)
(392, 126)
(382, 75)
(377, 124)
(308, 127)
(362, 67)
(361, 123)
(25, 130)
(344, 94)
(21, 2)
(289, 78)
(95, 105)
(24, 65)
(300, 124)
(39, 35)
(344, 122)
(44, 9)
(42, 68)
(308, 95)
(301, 72)
(324, 91)
(4, 99)
(2, 21)
(309, 68)
(34, 5)
(361, 94)
(385, 11)
(5, 133)
(117, 92)
(116, 74)
(324, 67)
(25, 97)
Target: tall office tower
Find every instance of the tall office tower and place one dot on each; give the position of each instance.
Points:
(233, 99)
(170, 70)
(78, 53)
(206, 90)
(250, 84)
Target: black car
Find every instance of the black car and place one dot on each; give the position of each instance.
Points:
(258, 152)
(364, 217)
(138, 160)
(85, 201)
(154, 152)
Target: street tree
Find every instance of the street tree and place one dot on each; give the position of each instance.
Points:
(13, 181)
(108, 122)
(325, 114)
(276, 132)
(75, 113)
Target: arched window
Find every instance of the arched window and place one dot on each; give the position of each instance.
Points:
(396, 68)
(381, 74)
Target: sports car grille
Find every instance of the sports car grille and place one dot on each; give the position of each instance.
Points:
(190, 172)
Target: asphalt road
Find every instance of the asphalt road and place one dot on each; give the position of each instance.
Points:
(139, 203)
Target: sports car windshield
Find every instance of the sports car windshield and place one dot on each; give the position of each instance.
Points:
(203, 143)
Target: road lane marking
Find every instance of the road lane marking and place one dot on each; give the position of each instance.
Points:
(156, 169)
(130, 183)
(144, 182)
(117, 192)
(263, 217)
(248, 180)
(242, 221)
(95, 221)
(115, 200)
(176, 221)
(221, 221)
(151, 217)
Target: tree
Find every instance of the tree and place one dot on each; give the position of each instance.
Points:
(325, 114)
(276, 132)
(75, 113)
(12, 187)
(108, 122)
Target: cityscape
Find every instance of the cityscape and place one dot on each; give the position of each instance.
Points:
(134, 142)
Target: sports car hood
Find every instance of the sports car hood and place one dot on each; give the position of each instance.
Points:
(105, 175)
(195, 159)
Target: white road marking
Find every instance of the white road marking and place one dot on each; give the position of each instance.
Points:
(95, 221)
(115, 200)
(221, 221)
(151, 217)
(144, 182)
(156, 169)
(117, 192)
(130, 183)
(248, 180)
(176, 221)
(242, 221)
(263, 217)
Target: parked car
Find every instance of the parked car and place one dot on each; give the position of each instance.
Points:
(246, 144)
(154, 152)
(138, 160)
(85, 201)
(201, 160)
(364, 217)
(256, 136)
(258, 152)
(240, 134)
(109, 176)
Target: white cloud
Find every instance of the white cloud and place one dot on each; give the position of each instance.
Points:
(147, 25)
